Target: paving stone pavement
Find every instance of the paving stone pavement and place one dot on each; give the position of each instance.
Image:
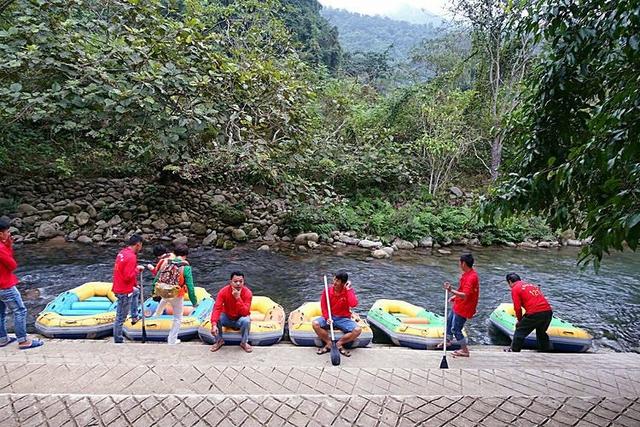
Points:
(95, 383)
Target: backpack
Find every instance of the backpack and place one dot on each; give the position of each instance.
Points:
(170, 280)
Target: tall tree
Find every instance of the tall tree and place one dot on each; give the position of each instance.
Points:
(505, 60)
(578, 128)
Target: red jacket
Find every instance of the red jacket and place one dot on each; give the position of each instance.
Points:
(161, 262)
(529, 297)
(125, 271)
(470, 286)
(341, 302)
(233, 308)
(8, 265)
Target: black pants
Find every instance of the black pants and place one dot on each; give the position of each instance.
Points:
(538, 321)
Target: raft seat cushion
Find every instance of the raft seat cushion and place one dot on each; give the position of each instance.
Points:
(91, 305)
(79, 312)
(415, 320)
(186, 310)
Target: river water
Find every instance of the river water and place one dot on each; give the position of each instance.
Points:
(607, 304)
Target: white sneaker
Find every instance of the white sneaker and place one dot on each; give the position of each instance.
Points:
(174, 343)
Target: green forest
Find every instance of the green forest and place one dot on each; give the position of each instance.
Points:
(537, 124)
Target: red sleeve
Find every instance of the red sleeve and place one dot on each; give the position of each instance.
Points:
(517, 302)
(244, 305)
(323, 305)
(130, 269)
(352, 299)
(7, 260)
(217, 308)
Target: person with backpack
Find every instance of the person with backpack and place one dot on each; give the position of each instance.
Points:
(162, 255)
(173, 281)
(125, 285)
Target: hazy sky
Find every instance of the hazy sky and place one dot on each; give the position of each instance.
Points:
(383, 7)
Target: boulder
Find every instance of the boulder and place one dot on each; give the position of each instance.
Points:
(380, 254)
(444, 252)
(312, 244)
(527, 245)
(85, 239)
(574, 242)
(388, 249)
(426, 242)
(475, 242)
(544, 244)
(91, 211)
(72, 208)
(456, 191)
(348, 240)
(83, 218)
(199, 228)
(160, 224)
(228, 245)
(264, 248)
(211, 238)
(219, 198)
(180, 240)
(16, 222)
(254, 233)
(115, 220)
(269, 235)
(369, 244)
(48, 230)
(239, 235)
(26, 209)
(403, 244)
(60, 219)
(303, 238)
(74, 234)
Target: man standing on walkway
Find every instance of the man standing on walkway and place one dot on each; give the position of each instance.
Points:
(233, 310)
(537, 314)
(175, 273)
(465, 302)
(9, 296)
(342, 299)
(125, 272)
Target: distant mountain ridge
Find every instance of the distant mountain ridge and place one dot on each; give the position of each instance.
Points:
(366, 33)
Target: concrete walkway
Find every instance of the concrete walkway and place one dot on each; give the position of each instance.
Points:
(80, 383)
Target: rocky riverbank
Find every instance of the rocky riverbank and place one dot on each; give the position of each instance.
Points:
(105, 211)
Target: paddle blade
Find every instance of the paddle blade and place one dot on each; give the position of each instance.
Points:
(443, 363)
(335, 355)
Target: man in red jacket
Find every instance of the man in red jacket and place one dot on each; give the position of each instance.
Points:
(9, 296)
(537, 314)
(233, 310)
(342, 298)
(125, 272)
(465, 302)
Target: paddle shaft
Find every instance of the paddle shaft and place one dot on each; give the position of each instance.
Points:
(446, 306)
(144, 329)
(326, 294)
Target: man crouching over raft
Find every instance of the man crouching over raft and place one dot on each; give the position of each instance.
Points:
(465, 302)
(233, 310)
(537, 315)
(342, 299)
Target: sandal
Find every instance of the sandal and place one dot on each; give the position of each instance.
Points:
(507, 350)
(246, 347)
(343, 351)
(9, 341)
(217, 345)
(323, 350)
(34, 343)
(460, 353)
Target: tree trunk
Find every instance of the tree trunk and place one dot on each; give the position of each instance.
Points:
(496, 156)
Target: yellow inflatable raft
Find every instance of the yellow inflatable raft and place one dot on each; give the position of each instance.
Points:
(158, 327)
(301, 332)
(267, 324)
(87, 311)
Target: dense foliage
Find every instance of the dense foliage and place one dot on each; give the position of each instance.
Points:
(578, 128)
(202, 89)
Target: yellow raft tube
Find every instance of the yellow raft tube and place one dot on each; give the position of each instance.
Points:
(158, 327)
(406, 324)
(301, 332)
(267, 324)
(87, 311)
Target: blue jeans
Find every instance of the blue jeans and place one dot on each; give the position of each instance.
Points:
(127, 304)
(11, 299)
(344, 324)
(455, 322)
(243, 323)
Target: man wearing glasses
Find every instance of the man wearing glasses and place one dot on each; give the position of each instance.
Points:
(233, 310)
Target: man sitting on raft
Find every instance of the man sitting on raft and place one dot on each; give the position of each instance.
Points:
(233, 310)
(342, 298)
